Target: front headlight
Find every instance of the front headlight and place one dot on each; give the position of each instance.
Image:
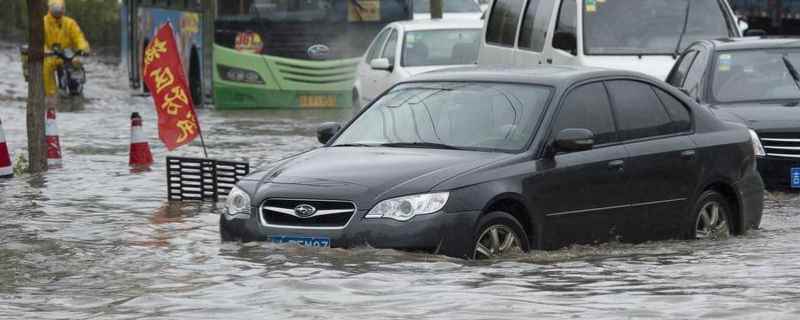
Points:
(758, 148)
(405, 208)
(239, 75)
(238, 202)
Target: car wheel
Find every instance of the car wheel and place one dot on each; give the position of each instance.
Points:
(711, 216)
(225, 234)
(499, 234)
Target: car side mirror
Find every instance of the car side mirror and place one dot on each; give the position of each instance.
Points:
(566, 41)
(690, 95)
(381, 64)
(571, 140)
(327, 130)
(755, 33)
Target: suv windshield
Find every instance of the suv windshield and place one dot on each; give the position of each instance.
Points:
(463, 115)
(441, 47)
(754, 75)
(451, 6)
(649, 26)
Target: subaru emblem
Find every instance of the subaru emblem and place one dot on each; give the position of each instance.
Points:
(305, 210)
(318, 52)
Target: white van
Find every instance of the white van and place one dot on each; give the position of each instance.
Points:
(638, 35)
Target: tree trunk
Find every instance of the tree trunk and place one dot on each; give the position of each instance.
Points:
(37, 147)
(436, 9)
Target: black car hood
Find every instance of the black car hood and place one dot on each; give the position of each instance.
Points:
(371, 171)
(767, 117)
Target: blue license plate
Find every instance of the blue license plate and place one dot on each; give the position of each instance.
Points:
(320, 242)
(794, 178)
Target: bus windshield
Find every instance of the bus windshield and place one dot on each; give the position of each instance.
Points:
(650, 26)
(449, 6)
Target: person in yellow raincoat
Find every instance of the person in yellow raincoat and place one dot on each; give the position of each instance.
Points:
(65, 32)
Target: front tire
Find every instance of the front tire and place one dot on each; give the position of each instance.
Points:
(710, 217)
(498, 234)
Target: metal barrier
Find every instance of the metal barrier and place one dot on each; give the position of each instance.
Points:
(194, 179)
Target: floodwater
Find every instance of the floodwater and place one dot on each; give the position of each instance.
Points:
(92, 240)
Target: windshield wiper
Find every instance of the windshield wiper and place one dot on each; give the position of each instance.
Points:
(792, 71)
(683, 31)
(433, 145)
(353, 145)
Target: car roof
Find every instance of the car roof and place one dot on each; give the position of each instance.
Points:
(550, 75)
(754, 43)
(438, 24)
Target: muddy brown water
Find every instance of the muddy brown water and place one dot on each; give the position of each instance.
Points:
(94, 241)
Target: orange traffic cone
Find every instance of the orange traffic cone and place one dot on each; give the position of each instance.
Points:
(53, 144)
(6, 169)
(140, 156)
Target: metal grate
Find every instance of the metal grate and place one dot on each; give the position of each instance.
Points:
(193, 179)
(781, 145)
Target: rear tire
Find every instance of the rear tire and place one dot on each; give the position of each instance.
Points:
(710, 217)
(498, 234)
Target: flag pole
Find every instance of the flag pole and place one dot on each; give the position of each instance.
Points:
(202, 141)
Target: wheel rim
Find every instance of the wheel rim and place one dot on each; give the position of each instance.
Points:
(496, 241)
(712, 222)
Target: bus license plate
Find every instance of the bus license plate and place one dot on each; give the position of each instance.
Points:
(320, 242)
(317, 101)
(794, 178)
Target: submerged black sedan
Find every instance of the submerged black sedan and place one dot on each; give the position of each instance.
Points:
(755, 82)
(479, 163)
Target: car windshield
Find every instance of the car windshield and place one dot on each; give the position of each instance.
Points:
(754, 75)
(649, 26)
(462, 115)
(451, 6)
(441, 47)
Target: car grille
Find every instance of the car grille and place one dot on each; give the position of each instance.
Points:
(330, 214)
(781, 145)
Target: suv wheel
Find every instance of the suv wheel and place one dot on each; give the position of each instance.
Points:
(499, 234)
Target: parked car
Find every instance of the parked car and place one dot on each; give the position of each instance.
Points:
(422, 46)
(480, 162)
(750, 81)
(636, 35)
(451, 9)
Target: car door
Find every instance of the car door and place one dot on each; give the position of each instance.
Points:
(500, 32)
(386, 78)
(368, 76)
(533, 32)
(563, 45)
(662, 165)
(582, 193)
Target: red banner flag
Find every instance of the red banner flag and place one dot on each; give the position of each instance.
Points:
(163, 75)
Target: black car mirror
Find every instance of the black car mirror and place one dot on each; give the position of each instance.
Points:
(755, 33)
(566, 41)
(571, 140)
(327, 130)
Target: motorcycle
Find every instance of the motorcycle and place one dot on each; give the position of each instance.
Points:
(70, 76)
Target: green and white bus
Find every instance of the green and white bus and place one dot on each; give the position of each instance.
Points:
(294, 53)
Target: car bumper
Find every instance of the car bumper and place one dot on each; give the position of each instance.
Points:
(443, 233)
(751, 200)
(776, 171)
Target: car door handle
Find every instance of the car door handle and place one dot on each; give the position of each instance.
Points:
(688, 154)
(618, 165)
(550, 61)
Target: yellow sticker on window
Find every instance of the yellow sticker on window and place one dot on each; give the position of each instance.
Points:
(591, 8)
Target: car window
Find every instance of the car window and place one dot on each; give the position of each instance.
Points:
(535, 24)
(754, 75)
(390, 50)
(679, 74)
(503, 22)
(587, 107)
(638, 110)
(441, 47)
(677, 111)
(471, 115)
(377, 45)
(695, 74)
(449, 6)
(567, 24)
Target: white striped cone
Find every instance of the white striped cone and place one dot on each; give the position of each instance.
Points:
(140, 156)
(53, 143)
(6, 167)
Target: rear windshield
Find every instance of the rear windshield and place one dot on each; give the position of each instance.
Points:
(441, 47)
(649, 26)
(466, 115)
(755, 75)
(451, 6)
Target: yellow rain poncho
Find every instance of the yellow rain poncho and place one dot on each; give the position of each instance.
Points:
(65, 32)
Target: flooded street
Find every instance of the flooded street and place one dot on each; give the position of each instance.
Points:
(92, 240)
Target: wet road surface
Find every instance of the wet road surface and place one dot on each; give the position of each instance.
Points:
(92, 240)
